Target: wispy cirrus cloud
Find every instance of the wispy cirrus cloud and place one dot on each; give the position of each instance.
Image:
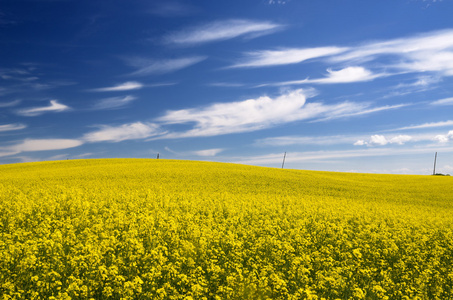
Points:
(346, 75)
(208, 152)
(146, 66)
(445, 101)
(325, 155)
(31, 145)
(380, 140)
(46, 144)
(432, 41)
(267, 58)
(356, 140)
(345, 112)
(220, 30)
(444, 138)
(132, 131)
(12, 127)
(36, 111)
(126, 86)
(9, 104)
(306, 140)
(431, 51)
(226, 84)
(401, 139)
(202, 153)
(260, 113)
(427, 125)
(114, 102)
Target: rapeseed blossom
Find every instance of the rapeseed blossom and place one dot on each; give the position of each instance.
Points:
(165, 229)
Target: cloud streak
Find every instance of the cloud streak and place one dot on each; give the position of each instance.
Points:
(220, 30)
(113, 102)
(127, 86)
(208, 152)
(312, 156)
(346, 75)
(132, 131)
(12, 127)
(36, 111)
(380, 140)
(32, 145)
(268, 58)
(427, 125)
(444, 138)
(445, 101)
(9, 104)
(148, 66)
(431, 51)
(260, 113)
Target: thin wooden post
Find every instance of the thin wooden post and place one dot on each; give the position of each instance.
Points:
(284, 156)
(435, 159)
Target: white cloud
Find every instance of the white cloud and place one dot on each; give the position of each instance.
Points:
(346, 75)
(45, 144)
(431, 51)
(255, 114)
(311, 156)
(400, 139)
(36, 111)
(380, 140)
(132, 131)
(208, 152)
(148, 66)
(430, 61)
(241, 116)
(220, 30)
(359, 143)
(9, 104)
(352, 109)
(10, 127)
(422, 82)
(433, 41)
(5, 152)
(127, 86)
(428, 125)
(445, 101)
(306, 140)
(444, 138)
(204, 153)
(31, 145)
(114, 102)
(285, 56)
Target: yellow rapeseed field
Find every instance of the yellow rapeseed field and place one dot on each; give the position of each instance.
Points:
(167, 229)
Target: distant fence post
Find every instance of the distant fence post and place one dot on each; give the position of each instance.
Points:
(435, 159)
(284, 157)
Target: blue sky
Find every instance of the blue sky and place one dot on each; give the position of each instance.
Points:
(353, 86)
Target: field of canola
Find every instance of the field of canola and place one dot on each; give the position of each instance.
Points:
(166, 229)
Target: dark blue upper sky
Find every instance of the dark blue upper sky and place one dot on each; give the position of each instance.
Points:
(339, 85)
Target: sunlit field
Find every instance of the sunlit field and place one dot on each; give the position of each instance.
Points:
(167, 229)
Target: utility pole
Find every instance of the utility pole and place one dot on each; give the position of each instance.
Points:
(435, 159)
(284, 156)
